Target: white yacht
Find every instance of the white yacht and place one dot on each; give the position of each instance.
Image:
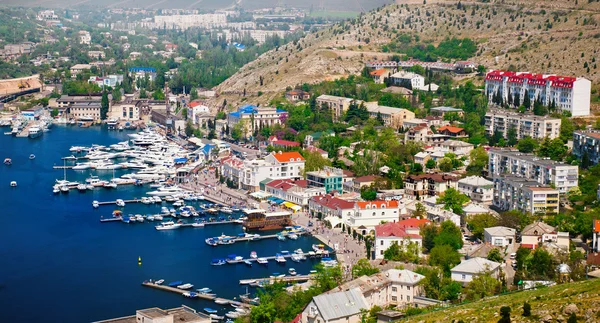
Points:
(120, 203)
(166, 191)
(169, 225)
(82, 166)
(35, 132)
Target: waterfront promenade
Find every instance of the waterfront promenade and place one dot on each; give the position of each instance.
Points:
(349, 250)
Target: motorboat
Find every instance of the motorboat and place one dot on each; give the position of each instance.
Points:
(233, 259)
(150, 217)
(211, 242)
(262, 261)
(32, 156)
(241, 311)
(166, 191)
(185, 286)
(35, 132)
(64, 189)
(95, 204)
(7, 161)
(210, 310)
(139, 218)
(110, 185)
(299, 251)
(13, 184)
(221, 301)
(158, 217)
(292, 236)
(226, 210)
(126, 219)
(70, 158)
(197, 224)
(218, 262)
(232, 315)
(169, 225)
(82, 187)
(120, 203)
(248, 262)
(159, 282)
(146, 200)
(253, 255)
(156, 199)
(280, 237)
(279, 258)
(89, 187)
(175, 283)
(82, 166)
(216, 317)
(190, 294)
(204, 290)
(296, 257)
(292, 271)
(78, 149)
(55, 190)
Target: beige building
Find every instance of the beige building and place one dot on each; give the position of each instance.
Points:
(518, 193)
(157, 315)
(129, 112)
(337, 104)
(421, 186)
(540, 232)
(533, 126)
(89, 111)
(392, 117)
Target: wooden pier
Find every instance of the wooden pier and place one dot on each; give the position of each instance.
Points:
(271, 280)
(62, 167)
(199, 295)
(289, 255)
(115, 202)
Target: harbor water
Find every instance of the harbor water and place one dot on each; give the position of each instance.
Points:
(60, 264)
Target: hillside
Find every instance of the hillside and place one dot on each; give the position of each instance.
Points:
(539, 36)
(547, 305)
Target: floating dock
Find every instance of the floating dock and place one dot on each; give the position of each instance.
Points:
(306, 254)
(270, 280)
(270, 236)
(199, 295)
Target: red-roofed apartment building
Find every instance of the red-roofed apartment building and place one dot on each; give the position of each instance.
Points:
(296, 192)
(388, 233)
(596, 236)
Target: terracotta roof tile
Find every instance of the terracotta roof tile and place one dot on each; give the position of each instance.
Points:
(392, 229)
(287, 157)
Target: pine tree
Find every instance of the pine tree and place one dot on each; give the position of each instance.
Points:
(517, 101)
(510, 99)
(527, 100)
(104, 105)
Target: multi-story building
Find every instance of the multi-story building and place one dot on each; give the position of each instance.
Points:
(260, 116)
(405, 79)
(89, 111)
(421, 186)
(329, 178)
(184, 22)
(418, 134)
(332, 207)
(84, 37)
(542, 170)
(570, 94)
(66, 101)
(388, 233)
(533, 126)
(518, 193)
(78, 68)
(337, 104)
(477, 188)
(157, 315)
(293, 191)
(143, 73)
(587, 143)
(366, 215)
(320, 307)
(392, 117)
(127, 111)
(251, 173)
(110, 80)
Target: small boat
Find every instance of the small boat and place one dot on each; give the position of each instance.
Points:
(185, 286)
(159, 282)
(226, 210)
(64, 189)
(279, 258)
(120, 203)
(175, 283)
(70, 158)
(216, 317)
(81, 187)
(313, 272)
(248, 262)
(32, 156)
(7, 161)
(55, 190)
(139, 218)
(253, 255)
(13, 184)
(241, 311)
(221, 301)
(197, 224)
(169, 225)
(299, 251)
(232, 315)
(292, 236)
(89, 187)
(210, 310)
(146, 200)
(125, 219)
(204, 290)
(262, 261)
(296, 257)
(110, 185)
(190, 294)
(280, 237)
(95, 204)
(292, 272)
(218, 262)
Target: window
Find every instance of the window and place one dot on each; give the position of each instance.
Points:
(408, 298)
(382, 242)
(464, 276)
(394, 289)
(407, 287)
(394, 298)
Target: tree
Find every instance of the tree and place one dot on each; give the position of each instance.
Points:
(54, 113)
(420, 211)
(478, 160)
(527, 100)
(143, 94)
(445, 257)
(482, 286)
(494, 255)
(104, 104)
(314, 161)
(437, 286)
(429, 232)
(511, 134)
(526, 309)
(453, 200)
(368, 194)
(417, 168)
(450, 235)
(158, 95)
(539, 109)
(566, 128)
(504, 314)
(478, 222)
(189, 129)
(481, 69)
(527, 145)
(193, 94)
(572, 318)
(430, 164)
(553, 148)
(445, 164)
(409, 252)
(362, 268)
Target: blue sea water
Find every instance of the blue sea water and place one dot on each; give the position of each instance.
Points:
(58, 263)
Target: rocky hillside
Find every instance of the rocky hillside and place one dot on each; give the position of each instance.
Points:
(548, 305)
(539, 36)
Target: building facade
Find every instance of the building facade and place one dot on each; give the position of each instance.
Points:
(392, 117)
(337, 104)
(518, 193)
(469, 269)
(422, 186)
(500, 236)
(532, 126)
(542, 170)
(570, 94)
(405, 79)
(586, 145)
(392, 232)
(255, 118)
(329, 178)
(477, 188)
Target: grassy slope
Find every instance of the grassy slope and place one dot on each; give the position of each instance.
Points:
(545, 301)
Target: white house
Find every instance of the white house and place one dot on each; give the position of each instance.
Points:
(340, 307)
(499, 236)
(388, 233)
(540, 232)
(368, 214)
(596, 236)
(477, 188)
(403, 78)
(469, 269)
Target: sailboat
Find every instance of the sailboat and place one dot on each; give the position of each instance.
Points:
(112, 183)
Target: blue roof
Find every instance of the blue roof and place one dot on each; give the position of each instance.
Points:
(207, 148)
(143, 69)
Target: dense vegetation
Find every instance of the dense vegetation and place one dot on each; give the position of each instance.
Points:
(447, 49)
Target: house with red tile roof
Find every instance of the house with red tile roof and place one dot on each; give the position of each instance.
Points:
(369, 214)
(297, 95)
(388, 233)
(451, 131)
(413, 225)
(379, 75)
(295, 191)
(596, 236)
(363, 181)
(285, 143)
(330, 207)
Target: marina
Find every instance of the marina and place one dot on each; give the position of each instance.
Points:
(199, 295)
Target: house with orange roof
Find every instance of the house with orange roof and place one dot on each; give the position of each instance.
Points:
(379, 75)
(369, 214)
(451, 131)
(596, 236)
(388, 233)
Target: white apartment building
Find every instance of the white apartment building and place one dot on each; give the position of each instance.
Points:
(110, 80)
(469, 269)
(570, 94)
(525, 125)
(587, 142)
(477, 188)
(195, 111)
(518, 193)
(250, 173)
(89, 111)
(367, 215)
(261, 35)
(184, 22)
(337, 104)
(392, 117)
(542, 170)
(293, 191)
(499, 236)
(262, 116)
(401, 78)
(84, 37)
(392, 232)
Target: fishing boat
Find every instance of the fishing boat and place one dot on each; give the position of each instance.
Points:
(292, 271)
(95, 204)
(221, 301)
(218, 262)
(185, 286)
(159, 282)
(32, 156)
(169, 225)
(253, 255)
(262, 261)
(175, 283)
(210, 310)
(248, 262)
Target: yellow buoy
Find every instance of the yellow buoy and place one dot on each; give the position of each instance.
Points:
(139, 260)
